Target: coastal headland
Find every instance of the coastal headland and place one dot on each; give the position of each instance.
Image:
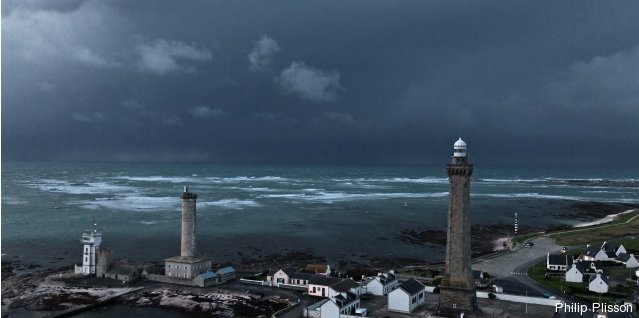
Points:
(26, 288)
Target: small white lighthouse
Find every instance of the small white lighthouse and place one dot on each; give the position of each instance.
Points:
(91, 240)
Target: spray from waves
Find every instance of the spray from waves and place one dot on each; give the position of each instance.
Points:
(131, 203)
(161, 179)
(527, 195)
(232, 204)
(330, 197)
(252, 189)
(196, 179)
(62, 186)
(149, 222)
(553, 197)
(394, 180)
(571, 182)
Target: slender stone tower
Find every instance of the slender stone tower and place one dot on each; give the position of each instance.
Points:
(188, 223)
(457, 290)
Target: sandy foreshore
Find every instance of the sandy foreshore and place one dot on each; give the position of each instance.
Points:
(499, 242)
(606, 219)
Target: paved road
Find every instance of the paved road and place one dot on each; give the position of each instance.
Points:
(506, 265)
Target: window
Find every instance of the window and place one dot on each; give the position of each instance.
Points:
(421, 295)
(414, 300)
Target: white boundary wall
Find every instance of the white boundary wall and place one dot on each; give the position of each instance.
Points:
(513, 298)
(522, 299)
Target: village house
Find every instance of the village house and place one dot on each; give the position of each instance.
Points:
(316, 284)
(599, 284)
(629, 260)
(344, 286)
(614, 248)
(608, 251)
(319, 285)
(381, 285)
(594, 253)
(581, 270)
(408, 296)
(290, 276)
(334, 307)
(558, 262)
(575, 274)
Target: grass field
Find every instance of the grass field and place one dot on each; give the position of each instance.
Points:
(625, 225)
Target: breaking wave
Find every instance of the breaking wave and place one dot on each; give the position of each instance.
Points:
(61, 186)
(232, 203)
(329, 197)
(132, 203)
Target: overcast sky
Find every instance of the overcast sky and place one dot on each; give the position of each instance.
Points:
(340, 82)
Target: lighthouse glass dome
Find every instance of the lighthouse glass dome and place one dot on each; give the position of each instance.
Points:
(460, 148)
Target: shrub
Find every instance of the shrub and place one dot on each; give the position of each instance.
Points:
(436, 290)
(491, 296)
(437, 281)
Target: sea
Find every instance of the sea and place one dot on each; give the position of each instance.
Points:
(334, 212)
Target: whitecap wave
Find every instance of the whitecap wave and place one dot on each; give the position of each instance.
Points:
(161, 179)
(132, 203)
(395, 180)
(330, 197)
(252, 189)
(62, 186)
(528, 195)
(245, 179)
(232, 203)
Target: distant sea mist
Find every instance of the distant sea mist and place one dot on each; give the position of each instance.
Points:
(334, 212)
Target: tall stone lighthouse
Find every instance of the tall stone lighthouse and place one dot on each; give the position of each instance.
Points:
(457, 290)
(188, 223)
(188, 265)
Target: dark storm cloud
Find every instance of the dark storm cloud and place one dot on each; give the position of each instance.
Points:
(320, 81)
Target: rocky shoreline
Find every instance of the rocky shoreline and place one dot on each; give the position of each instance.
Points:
(25, 287)
(41, 295)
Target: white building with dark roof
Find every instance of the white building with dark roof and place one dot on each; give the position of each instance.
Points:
(345, 286)
(599, 284)
(343, 304)
(381, 285)
(614, 248)
(629, 260)
(594, 253)
(575, 274)
(320, 285)
(408, 296)
(558, 262)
